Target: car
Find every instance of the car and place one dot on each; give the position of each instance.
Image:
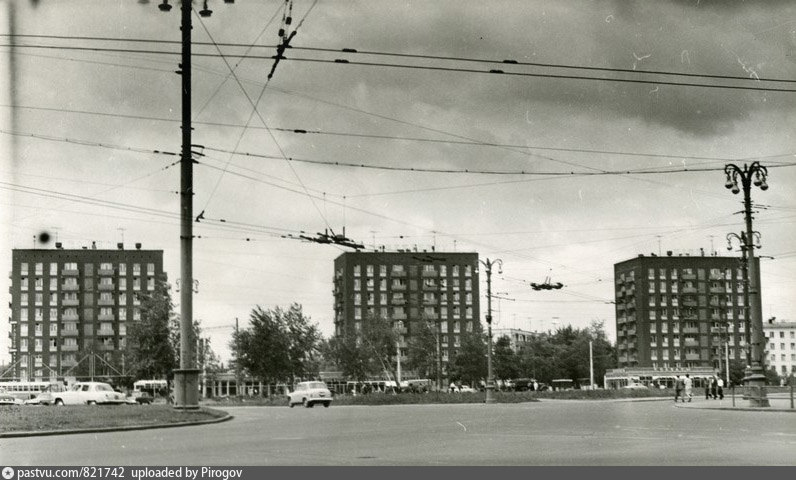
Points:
(89, 393)
(139, 398)
(467, 389)
(635, 386)
(8, 399)
(310, 393)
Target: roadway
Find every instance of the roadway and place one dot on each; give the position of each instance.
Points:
(562, 432)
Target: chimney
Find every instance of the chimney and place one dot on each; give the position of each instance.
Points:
(120, 246)
(138, 246)
(701, 252)
(93, 245)
(59, 245)
(668, 253)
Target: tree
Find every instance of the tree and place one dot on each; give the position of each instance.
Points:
(279, 345)
(369, 352)
(737, 372)
(470, 364)
(149, 351)
(504, 360)
(421, 350)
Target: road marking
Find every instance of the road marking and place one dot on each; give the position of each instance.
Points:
(461, 425)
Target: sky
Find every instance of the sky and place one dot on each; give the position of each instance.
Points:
(534, 166)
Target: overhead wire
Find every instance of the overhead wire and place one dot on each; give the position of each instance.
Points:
(344, 62)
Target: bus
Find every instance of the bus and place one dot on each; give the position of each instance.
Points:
(562, 384)
(25, 390)
(153, 387)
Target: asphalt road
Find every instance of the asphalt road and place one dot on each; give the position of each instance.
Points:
(543, 433)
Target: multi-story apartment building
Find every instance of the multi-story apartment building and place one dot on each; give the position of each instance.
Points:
(66, 303)
(517, 337)
(407, 288)
(781, 346)
(677, 311)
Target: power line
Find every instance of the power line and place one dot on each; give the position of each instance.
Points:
(352, 51)
(419, 67)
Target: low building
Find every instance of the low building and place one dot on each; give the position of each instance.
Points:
(781, 346)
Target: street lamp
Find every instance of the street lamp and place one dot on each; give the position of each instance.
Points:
(752, 174)
(186, 378)
(490, 379)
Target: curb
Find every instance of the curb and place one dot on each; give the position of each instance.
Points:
(740, 409)
(46, 433)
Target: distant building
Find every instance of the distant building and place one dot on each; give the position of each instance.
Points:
(408, 288)
(517, 337)
(781, 347)
(65, 303)
(676, 312)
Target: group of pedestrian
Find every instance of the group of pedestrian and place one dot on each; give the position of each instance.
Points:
(714, 388)
(683, 388)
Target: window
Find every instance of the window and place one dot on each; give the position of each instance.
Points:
(468, 312)
(468, 270)
(136, 314)
(123, 313)
(39, 283)
(357, 270)
(357, 299)
(53, 329)
(429, 269)
(39, 268)
(150, 268)
(106, 266)
(468, 284)
(122, 269)
(23, 269)
(383, 298)
(358, 313)
(781, 334)
(23, 299)
(651, 274)
(357, 284)
(150, 283)
(136, 283)
(455, 270)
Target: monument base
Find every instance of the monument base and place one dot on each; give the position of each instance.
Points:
(186, 389)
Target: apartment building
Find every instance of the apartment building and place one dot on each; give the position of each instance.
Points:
(66, 303)
(781, 346)
(677, 312)
(517, 337)
(408, 288)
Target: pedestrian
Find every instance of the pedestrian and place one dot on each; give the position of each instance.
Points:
(707, 389)
(452, 387)
(688, 388)
(678, 388)
(720, 386)
(714, 387)
(535, 386)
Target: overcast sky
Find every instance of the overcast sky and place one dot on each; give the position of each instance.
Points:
(88, 122)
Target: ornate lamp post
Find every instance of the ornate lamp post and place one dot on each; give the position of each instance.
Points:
(753, 174)
(490, 378)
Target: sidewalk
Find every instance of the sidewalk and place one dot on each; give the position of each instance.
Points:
(778, 402)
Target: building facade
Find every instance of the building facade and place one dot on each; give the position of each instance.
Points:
(781, 347)
(408, 288)
(678, 312)
(517, 337)
(68, 306)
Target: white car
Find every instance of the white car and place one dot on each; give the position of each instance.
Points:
(466, 389)
(89, 393)
(310, 393)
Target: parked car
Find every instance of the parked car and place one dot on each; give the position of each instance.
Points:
(139, 398)
(467, 389)
(310, 393)
(636, 386)
(89, 393)
(46, 397)
(8, 399)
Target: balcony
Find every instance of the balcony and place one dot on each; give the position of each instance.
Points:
(69, 317)
(692, 356)
(399, 301)
(68, 363)
(106, 302)
(631, 332)
(105, 271)
(717, 290)
(105, 333)
(70, 271)
(689, 303)
(398, 287)
(398, 273)
(432, 273)
(688, 276)
(105, 347)
(68, 348)
(690, 330)
(69, 333)
(620, 306)
(70, 302)
(70, 287)
(620, 320)
(686, 290)
(106, 287)
(399, 316)
(690, 342)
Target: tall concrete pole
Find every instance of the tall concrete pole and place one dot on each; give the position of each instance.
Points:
(490, 378)
(186, 379)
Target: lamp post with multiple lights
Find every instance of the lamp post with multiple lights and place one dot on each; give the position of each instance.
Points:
(752, 174)
(490, 379)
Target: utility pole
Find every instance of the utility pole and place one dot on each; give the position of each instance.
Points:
(186, 378)
(490, 379)
(591, 366)
(755, 378)
(237, 358)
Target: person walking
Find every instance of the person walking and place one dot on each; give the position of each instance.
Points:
(714, 387)
(707, 389)
(720, 386)
(678, 389)
(688, 388)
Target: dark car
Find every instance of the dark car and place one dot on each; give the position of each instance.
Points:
(140, 398)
